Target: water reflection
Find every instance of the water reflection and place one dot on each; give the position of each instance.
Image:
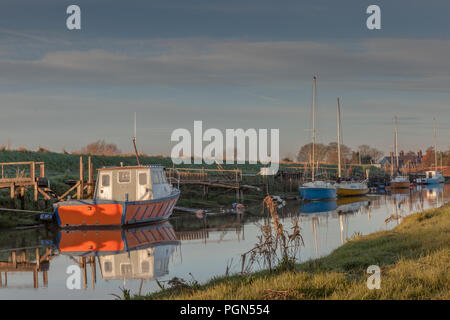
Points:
(141, 253)
(203, 247)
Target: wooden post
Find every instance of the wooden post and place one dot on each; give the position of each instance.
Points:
(81, 185)
(22, 198)
(12, 193)
(38, 258)
(14, 259)
(93, 272)
(41, 170)
(35, 279)
(35, 187)
(90, 177)
(45, 278)
(83, 267)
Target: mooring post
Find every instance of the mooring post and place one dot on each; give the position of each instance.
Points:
(41, 170)
(81, 184)
(90, 177)
(45, 278)
(22, 198)
(35, 279)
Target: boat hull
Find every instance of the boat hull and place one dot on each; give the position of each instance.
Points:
(79, 213)
(346, 192)
(308, 193)
(435, 180)
(400, 185)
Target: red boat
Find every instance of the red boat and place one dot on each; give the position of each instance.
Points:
(123, 196)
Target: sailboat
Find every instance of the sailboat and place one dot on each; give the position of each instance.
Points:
(316, 190)
(347, 188)
(398, 181)
(434, 177)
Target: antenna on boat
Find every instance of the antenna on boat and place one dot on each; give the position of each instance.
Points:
(134, 142)
(314, 127)
(435, 145)
(396, 144)
(339, 136)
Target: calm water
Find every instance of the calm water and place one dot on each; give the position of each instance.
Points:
(188, 246)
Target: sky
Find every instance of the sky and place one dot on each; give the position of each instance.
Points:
(232, 64)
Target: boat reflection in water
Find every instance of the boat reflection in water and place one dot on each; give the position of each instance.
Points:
(135, 253)
(340, 208)
(434, 190)
(318, 207)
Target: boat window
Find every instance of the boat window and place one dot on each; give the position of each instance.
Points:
(156, 177)
(107, 266)
(145, 267)
(105, 180)
(143, 178)
(126, 269)
(124, 176)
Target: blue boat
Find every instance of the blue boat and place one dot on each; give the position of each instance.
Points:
(434, 177)
(317, 190)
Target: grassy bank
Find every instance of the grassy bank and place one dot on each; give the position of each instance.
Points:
(414, 260)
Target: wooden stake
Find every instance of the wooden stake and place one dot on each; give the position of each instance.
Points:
(81, 185)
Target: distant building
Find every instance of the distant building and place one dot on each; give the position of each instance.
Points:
(403, 160)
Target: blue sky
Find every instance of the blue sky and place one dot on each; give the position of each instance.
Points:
(232, 64)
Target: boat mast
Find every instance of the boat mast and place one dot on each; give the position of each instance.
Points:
(339, 136)
(435, 145)
(396, 143)
(313, 126)
(134, 142)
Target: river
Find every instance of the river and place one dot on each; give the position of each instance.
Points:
(187, 247)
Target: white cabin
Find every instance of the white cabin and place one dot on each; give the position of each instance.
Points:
(138, 183)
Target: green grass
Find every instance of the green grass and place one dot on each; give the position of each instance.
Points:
(414, 259)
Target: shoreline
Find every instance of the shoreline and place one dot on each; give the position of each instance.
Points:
(413, 258)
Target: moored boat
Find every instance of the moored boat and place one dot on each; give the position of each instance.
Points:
(400, 182)
(317, 190)
(123, 196)
(351, 188)
(434, 177)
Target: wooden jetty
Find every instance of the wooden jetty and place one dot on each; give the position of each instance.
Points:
(26, 176)
(210, 178)
(20, 176)
(19, 261)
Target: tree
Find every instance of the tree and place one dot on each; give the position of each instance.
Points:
(367, 154)
(332, 153)
(102, 148)
(428, 158)
(320, 151)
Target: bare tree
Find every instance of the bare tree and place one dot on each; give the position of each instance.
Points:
(100, 147)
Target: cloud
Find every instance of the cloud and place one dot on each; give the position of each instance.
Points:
(384, 64)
